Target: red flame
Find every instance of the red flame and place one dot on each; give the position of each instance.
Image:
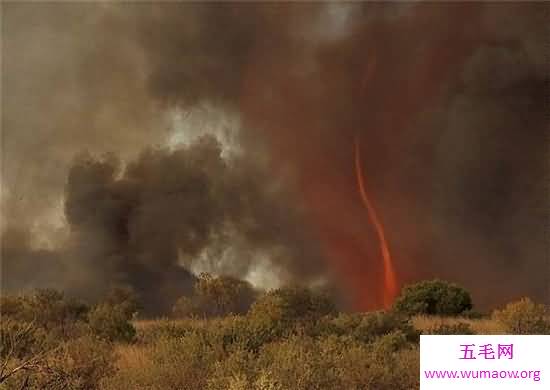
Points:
(390, 282)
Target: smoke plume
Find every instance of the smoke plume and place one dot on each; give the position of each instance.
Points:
(267, 100)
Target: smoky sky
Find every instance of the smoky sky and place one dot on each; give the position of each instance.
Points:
(447, 102)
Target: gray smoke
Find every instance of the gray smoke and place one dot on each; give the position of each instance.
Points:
(452, 122)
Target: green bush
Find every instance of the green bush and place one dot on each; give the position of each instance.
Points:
(291, 304)
(49, 310)
(286, 311)
(223, 295)
(111, 323)
(524, 317)
(433, 297)
(367, 327)
(215, 297)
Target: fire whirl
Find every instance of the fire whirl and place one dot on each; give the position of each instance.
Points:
(390, 282)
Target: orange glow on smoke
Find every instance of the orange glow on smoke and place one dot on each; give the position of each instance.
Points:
(390, 282)
(373, 81)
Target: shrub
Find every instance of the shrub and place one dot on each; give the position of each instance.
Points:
(392, 365)
(21, 340)
(433, 298)
(111, 323)
(340, 363)
(23, 345)
(201, 360)
(291, 304)
(47, 309)
(77, 364)
(523, 317)
(234, 332)
(171, 363)
(282, 312)
(165, 328)
(216, 296)
(390, 343)
(367, 327)
(383, 323)
(301, 363)
(223, 295)
(237, 371)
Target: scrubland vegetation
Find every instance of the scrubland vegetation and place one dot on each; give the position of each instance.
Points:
(227, 336)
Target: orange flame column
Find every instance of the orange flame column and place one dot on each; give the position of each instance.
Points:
(390, 281)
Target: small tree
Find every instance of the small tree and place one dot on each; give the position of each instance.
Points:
(216, 296)
(433, 297)
(46, 307)
(223, 294)
(292, 303)
(524, 317)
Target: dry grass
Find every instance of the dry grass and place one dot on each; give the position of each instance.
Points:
(420, 322)
(142, 325)
(480, 326)
(131, 356)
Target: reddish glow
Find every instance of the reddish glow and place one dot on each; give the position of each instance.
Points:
(374, 82)
(390, 281)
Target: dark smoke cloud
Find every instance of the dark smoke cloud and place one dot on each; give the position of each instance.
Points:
(491, 189)
(447, 101)
(197, 51)
(140, 225)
